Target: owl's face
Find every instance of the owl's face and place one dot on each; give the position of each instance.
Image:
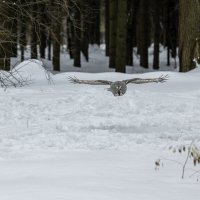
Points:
(118, 88)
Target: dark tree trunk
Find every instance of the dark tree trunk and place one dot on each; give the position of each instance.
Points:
(34, 42)
(130, 31)
(49, 46)
(94, 28)
(173, 28)
(156, 20)
(77, 38)
(84, 33)
(121, 47)
(22, 19)
(167, 32)
(135, 4)
(85, 42)
(170, 27)
(56, 37)
(112, 32)
(14, 36)
(97, 23)
(42, 30)
(22, 37)
(14, 26)
(5, 36)
(42, 44)
(168, 56)
(70, 35)
(56, 47)
(49, 31)
(143, 32)
(107, 3)
(34, 31)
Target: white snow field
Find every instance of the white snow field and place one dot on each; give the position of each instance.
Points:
(63, 141)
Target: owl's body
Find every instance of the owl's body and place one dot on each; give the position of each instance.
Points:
(119, 88)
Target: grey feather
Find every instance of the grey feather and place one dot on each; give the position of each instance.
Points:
(161, 79)
(90, 82)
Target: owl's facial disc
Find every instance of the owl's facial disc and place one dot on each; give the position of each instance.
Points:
(118, 88)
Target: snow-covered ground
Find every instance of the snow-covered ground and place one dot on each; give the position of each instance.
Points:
(94, 175)
(64, 141)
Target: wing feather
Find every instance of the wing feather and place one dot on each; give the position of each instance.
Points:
(90, 82)
(161, 79)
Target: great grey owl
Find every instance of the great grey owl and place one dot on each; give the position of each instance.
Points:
(118, 88)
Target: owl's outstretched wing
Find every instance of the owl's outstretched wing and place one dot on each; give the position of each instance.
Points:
(90, 82)
(161, 79)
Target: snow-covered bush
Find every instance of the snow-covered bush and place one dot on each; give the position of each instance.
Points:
(25, 73)
(12, 79)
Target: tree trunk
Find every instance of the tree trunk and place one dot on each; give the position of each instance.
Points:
(168, 56)
(94, 28)
(156, 20)
(56, 47)
(34, 31)
(97, 23)
(5, 36)
(85, 44)
(14, 32)
(42, 43)
(121, 48)
(70, 35)
(22, 38)
(42, 30)
(189, 27)
(130, 32)
(77, 38)
(112, 32)
(56, 24)
(85, 36)
(174, 27)
(49, 46)
(107, 26)
(143, 33)
(166, 34)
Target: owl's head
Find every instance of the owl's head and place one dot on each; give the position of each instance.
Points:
(118, 88)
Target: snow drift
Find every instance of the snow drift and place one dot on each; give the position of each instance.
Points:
(64, 116)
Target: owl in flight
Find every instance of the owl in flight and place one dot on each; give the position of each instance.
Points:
(118, 88)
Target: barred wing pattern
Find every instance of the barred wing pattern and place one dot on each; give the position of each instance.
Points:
(90, 82)
(161, 79)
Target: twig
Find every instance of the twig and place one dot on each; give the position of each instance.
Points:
(184, 165)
